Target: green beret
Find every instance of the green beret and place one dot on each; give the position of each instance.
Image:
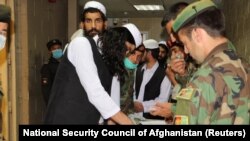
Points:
(190, 12)
(4, 13)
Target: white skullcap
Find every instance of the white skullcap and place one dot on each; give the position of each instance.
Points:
(97, 5)
(150, 44)
(162, 43)
(135, 33)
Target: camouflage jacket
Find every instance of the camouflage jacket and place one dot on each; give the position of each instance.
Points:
(183, 80)
(222, 95)
(127, 90)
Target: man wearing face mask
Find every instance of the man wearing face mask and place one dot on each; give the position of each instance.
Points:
(4, 24)
(48, 71)
(126, 93)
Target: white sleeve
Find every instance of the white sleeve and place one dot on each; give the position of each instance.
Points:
(81, 56)
(115, 90)
(163, 97)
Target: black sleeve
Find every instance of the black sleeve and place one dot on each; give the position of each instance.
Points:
(46, 82)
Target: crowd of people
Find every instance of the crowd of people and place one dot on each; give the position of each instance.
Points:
(109, 75)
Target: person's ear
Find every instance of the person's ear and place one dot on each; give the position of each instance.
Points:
(81, 25)
(106, 24)
(197, 34)
(50, 52)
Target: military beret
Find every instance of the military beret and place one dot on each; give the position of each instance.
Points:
(53, 42)
(4, 13)
(191, 11)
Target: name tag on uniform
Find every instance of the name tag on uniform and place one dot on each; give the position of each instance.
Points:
(180, 120)
(186, 93)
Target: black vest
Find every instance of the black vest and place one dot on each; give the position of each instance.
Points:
(69, 102)
(152, 88)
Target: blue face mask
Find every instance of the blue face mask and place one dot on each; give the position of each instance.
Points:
(57, 53)
(129, 65)
(2, 41)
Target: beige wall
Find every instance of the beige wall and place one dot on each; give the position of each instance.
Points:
(73, 17)
(237, 15)
(7, 80)
(37, 21)
(150, 25)
(34, 23)
(45, 21)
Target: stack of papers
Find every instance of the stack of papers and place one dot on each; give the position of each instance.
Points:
(138, 119)
(153, 122)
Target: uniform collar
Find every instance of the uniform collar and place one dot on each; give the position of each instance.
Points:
(53, 60)
(217, 49)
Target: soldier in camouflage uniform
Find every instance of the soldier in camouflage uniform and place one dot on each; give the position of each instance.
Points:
(180, 68)
(218, 93)
(127, 90)
(126, 98)
(4, 24)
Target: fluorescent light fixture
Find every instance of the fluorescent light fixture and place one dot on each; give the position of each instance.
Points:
(149, 7)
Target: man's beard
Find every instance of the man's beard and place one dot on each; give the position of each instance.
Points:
(162, 60)
(91, 33)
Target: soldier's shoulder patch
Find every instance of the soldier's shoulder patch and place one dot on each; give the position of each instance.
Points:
(180, 120)
(186, 93)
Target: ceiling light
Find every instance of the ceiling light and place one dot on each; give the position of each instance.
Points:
(149, 7)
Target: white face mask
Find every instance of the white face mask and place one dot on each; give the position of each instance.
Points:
(2, 41)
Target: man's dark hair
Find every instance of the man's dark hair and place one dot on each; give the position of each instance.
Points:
(212, 21)
(154, 52)
(53, 42)
(164, 47)
(174, 10)
(4, 13)
(92, 10)
(113, 47)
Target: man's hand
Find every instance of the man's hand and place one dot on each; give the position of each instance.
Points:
(138, 106)
(162, 109)
(121, 118)
(111, 122)
(171, 75)
(178, 66)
